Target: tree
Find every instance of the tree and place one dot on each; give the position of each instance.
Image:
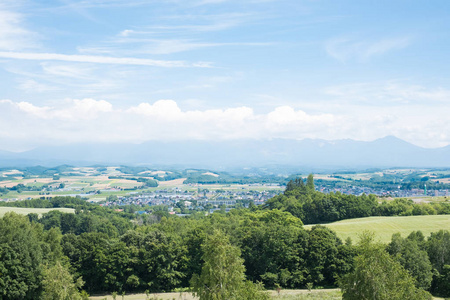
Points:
(21, 257)
(321, 256)
(442, 282)
(59, 284)
(413, 259)
(310, 183)
(377, 276)
(222, 276)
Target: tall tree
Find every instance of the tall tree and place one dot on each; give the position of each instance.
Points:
(310, 183)
(412, 258)
(59, 284)
(21, 258)
(377, 276)
(222, 276)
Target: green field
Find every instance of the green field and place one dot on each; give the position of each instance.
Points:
(26, 211)
(384, 227)
(284, 294)
(330, 294)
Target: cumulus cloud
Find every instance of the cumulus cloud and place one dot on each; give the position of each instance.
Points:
(90, 120)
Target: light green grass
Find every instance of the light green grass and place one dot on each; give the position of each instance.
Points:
(26, 211)
(332, 294)
(384, 227)
(284, 294)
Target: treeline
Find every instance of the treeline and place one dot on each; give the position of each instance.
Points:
(40, 171)
(275, 248)
(313, 207)
(224, 178)
(149, 182)
(59, 201)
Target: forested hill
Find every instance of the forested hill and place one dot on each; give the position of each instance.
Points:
(312, 207)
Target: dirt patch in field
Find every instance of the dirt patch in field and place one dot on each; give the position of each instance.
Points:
(12, 172)
(442, 180)
(26, 181)
(175, 182)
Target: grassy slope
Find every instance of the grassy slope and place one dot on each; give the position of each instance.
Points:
(384, 227)
(25, 211)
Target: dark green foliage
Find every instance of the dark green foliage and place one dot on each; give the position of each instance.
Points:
(25, 252)
(60, 201)
(273, 247)
(322, 255)
(412, 258)
(151, 183)
(438, 248)
(21, 257)
(441, 285)
(377, 276)
(313, 207)
(124, 252)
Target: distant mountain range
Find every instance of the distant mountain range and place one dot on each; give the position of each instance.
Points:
(309, 153)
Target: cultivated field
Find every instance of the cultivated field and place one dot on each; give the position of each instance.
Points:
(26, 211)
(384, 227)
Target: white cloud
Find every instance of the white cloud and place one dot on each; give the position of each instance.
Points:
(73, 109)
(102, 59)
(13, 35)
(389, 93)
(33, 86)
(346, 48)
(90, 120)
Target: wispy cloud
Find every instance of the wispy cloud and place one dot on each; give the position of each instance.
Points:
(345, 48)
(102, 60)
(13, 34)
(162, 46)
(77, 4)
(389, 93)
(33, 86)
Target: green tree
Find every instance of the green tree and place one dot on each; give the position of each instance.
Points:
(310, 183)
(412, 258)
(222, 276)
(21, 257)
(377, 276)
(442, 282)
(59, 284)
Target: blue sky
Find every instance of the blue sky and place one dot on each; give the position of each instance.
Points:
(76, 71)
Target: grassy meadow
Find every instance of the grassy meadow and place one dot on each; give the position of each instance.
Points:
(331, 294)
(384, 227)
(26, 211)
(283, 295)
